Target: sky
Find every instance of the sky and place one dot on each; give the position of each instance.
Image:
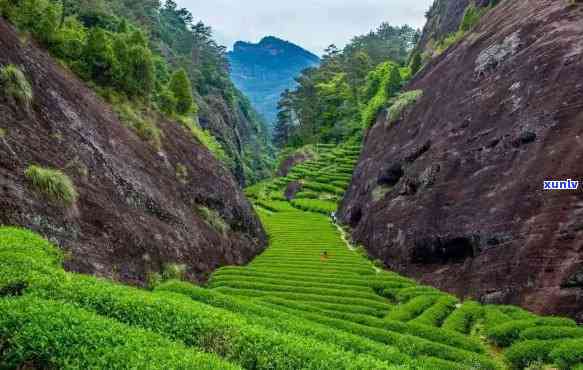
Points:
(312, 24)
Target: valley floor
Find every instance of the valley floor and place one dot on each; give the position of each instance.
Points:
(310, 301)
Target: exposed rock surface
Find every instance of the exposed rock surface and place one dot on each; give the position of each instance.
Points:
(443, 18)
(137, 208)
(501, 112)
(292, 160)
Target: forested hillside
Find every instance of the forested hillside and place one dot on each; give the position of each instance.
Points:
(266, 69)
(144, 56)
(336, 101)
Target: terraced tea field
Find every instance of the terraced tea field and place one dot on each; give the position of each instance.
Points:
(310, 301)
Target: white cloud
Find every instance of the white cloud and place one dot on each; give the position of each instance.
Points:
(313, 24)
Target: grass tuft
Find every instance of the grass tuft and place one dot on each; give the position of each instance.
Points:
(15, 85)
(52, 183)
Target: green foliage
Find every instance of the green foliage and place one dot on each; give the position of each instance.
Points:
(382, 84)
(99, 57)
(525, 354)
(173, 271)
(568, 354)
(463, 318)
(337, 101)
(214, 219)
(64, 336)
(416, 63)
(137, 118)
(15, 85)
(167, 102)
(182, 173)
(504, 335)
(182, 91)
(205, 138)
(403, 102)
(126, 49)
(54, 184)
(471, 17)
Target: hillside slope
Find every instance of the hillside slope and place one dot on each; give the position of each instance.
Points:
(452, 193)
(137, 209)
(264, 70)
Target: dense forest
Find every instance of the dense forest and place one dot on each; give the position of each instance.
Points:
(333, 102)
(146, 58)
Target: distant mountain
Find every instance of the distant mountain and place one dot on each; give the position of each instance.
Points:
(264, 70)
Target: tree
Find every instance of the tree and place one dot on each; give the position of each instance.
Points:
(99, 56)
(181, 87)
(415, 63)
(140, 72)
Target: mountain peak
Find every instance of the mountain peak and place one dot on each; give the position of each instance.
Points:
(265, 69)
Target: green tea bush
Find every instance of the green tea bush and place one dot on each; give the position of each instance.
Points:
(274, 319)
(551, 333)
(418, 330)
(315, 205)
(54, 184)
(15, 85)
(462, 319)
(523, 354)
(201, 326)
(410, 310)
(568, 354)
(505, 334)
(493, 316)
(409, 344)
(436, 314)
(56, 335)
(408, 293)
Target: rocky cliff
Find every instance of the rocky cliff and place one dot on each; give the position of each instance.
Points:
(138, 209)
(452, 192)
(444, 18)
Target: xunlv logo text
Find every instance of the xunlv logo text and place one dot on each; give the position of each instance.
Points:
(561, 185)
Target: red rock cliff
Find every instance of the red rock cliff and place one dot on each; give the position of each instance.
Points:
(138, 208)
(452, 194)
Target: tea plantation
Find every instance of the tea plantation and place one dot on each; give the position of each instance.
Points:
(310, 301)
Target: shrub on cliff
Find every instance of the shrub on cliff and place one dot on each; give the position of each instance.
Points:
(54, 184)
(405, 101)
(182, 90)
(15, 85)
(382, 84)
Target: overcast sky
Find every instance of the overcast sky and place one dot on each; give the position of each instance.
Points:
(312, 24)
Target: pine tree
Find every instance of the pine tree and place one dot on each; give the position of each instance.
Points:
(182, 89)
(415, 64)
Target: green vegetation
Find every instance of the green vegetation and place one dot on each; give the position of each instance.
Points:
(381, 85)
(337, 101)
(214, 219)
(308, 301)
(402, 104)
(143, 59)
(54, 184)
(323, 180)
(416, 63)
(15, 85)
(49, 333)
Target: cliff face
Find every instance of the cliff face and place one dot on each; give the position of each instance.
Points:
(443, 18)
(138, 208)
(453, 194)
